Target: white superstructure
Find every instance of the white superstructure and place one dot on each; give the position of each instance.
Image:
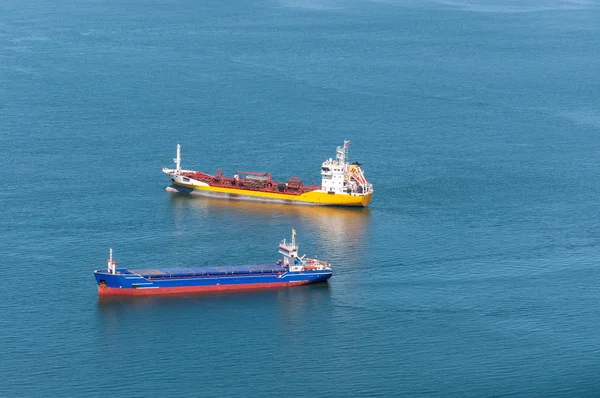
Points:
(298, 264)
(341, 177)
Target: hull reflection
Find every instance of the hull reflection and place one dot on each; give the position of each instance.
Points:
(337, 227)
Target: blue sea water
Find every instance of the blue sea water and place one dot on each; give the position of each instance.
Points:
(474, 272)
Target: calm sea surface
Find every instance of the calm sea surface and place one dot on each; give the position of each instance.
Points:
(474, 272)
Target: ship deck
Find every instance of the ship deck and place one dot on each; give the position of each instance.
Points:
(249, 182)
(208, 272)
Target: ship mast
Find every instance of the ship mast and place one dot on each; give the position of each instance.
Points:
(111, 264)
(177, 160)
(289, 251)
(342, 154)
(346, 148)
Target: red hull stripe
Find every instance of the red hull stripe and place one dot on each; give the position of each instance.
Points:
(113, 291)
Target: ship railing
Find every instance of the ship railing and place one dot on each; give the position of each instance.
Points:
(313, 262)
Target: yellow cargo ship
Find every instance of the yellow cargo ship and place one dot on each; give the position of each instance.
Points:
(343, 184)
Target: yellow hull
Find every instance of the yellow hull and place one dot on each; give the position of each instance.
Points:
(308, 198)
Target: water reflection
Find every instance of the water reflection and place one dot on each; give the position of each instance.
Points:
(335, 226)
(299, 301)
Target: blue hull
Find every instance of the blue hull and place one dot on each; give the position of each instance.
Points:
(188, 280)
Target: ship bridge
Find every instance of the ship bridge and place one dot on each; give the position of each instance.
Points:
(340, 177)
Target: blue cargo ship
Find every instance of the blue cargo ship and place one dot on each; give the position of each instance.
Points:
(292, 270)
